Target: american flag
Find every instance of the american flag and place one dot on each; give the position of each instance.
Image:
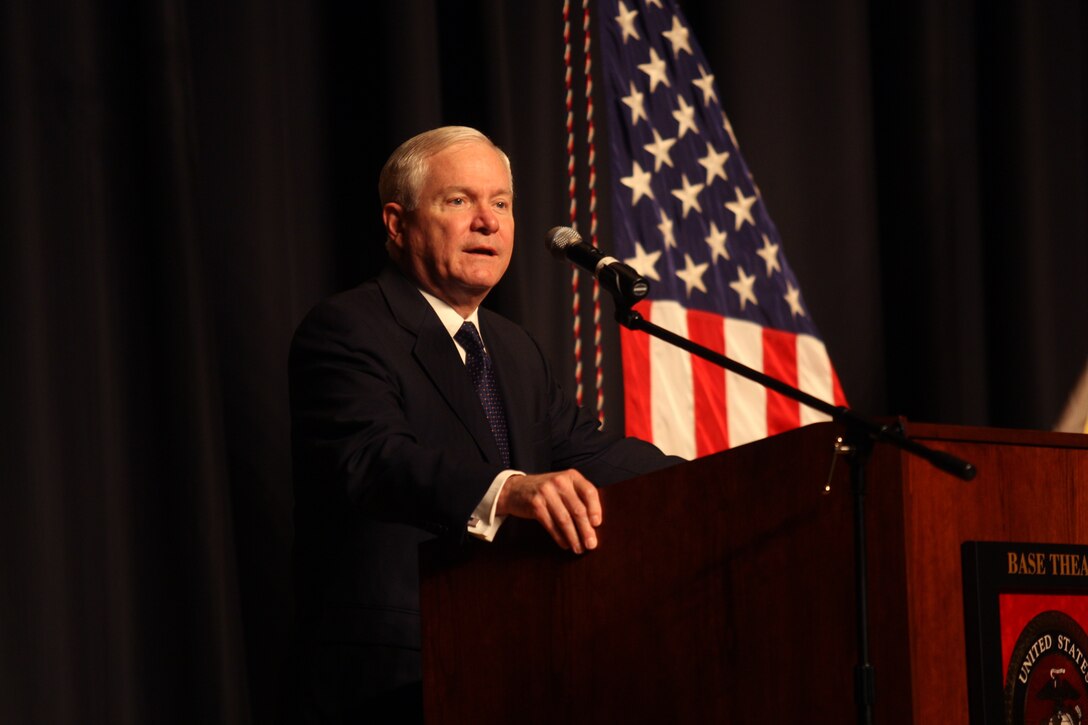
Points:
(689, 217)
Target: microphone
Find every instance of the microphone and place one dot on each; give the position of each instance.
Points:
(625, 284)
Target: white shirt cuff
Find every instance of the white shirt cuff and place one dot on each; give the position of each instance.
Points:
(484, 523)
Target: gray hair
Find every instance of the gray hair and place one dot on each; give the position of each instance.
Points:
(404, 172)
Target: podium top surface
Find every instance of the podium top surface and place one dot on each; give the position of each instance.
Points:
(1011, 436)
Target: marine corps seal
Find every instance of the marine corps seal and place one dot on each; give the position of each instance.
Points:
(1047, 679)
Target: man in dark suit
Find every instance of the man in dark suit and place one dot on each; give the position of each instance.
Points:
(406, 429)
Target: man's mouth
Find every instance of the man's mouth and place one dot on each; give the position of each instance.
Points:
(483, 251)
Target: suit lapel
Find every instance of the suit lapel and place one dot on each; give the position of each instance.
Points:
(436, 354)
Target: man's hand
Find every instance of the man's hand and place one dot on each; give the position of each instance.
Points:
(564, 503)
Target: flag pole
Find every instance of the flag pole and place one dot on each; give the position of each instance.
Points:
(856, 445)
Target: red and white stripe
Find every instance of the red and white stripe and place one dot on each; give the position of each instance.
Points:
(690, 407)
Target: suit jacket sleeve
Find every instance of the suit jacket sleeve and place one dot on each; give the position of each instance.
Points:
(371, 429)
(549, 431)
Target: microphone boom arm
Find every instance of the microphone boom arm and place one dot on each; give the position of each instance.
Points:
(633, 320)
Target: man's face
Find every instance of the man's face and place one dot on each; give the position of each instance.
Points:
(458, 241)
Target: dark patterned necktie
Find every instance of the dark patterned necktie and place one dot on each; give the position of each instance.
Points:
(479, 367)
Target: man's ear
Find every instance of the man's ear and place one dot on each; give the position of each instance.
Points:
(393, 217)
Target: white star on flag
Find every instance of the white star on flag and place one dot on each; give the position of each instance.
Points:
(688, 196)
(716, 241)
(660, 149)
(705, 83)
(678, 37)
(665, 227)
(655, 69)
(769, 252)
(742, 209)
(685, 117)
(744, 287)
(645, 263)
(793, 299)
(626, 19)
(639, 183)
(714, 163)
(637, 103)
(692, 274)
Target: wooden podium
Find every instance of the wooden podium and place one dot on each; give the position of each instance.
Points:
(723, 589)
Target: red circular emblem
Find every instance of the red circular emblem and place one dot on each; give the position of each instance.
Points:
(1047, 680)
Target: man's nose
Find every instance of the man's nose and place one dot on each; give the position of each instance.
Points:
(486, 222)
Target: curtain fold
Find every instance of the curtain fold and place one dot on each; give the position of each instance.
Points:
(183, 179)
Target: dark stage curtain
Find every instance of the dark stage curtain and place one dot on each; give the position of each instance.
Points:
(183, 179)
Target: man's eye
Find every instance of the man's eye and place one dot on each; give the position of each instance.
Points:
(457, 201)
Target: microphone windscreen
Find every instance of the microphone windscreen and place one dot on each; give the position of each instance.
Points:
(559, 238)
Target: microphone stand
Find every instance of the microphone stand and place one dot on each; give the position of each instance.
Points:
(857, 445)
